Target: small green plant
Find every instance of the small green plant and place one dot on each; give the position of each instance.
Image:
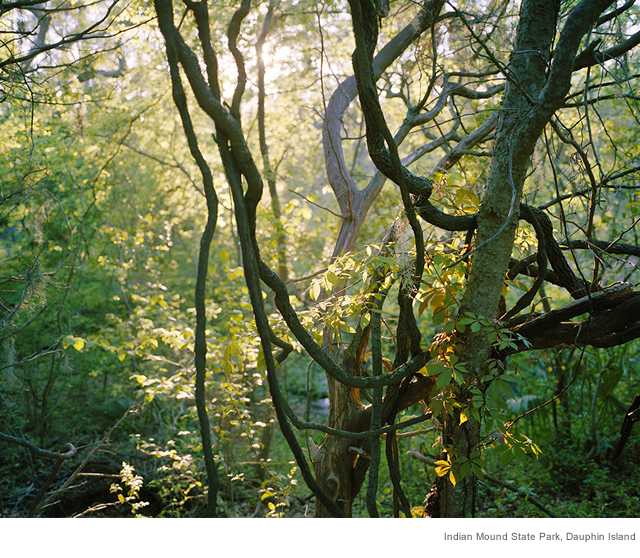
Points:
(133, 484)
(278, 489)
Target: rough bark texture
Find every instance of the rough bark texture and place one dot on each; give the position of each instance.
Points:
(532, 96)
(333, 464)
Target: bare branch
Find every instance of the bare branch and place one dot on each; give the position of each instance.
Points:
(38, 451)
(590, 56)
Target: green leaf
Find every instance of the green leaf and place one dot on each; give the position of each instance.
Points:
(506, 458)
(520, 454)
(346, 327)
(477, 470)
(435, 367)
(444, 378)
(436, 407)
(610, 380)
(331, 278)
(464, 469)
(439, 315)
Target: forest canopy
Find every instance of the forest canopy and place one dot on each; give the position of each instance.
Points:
(325, 259)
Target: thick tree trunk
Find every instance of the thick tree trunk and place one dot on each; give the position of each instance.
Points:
(497, 223)
(333, 464)
(534, 92)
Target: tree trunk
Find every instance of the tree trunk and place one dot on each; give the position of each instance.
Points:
(497, 223)
(534, 92)
(333, 464)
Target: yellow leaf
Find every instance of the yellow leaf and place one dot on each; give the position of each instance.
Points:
(314, 291)
(463, 417)
(452, 478)
(121, 356)
(441, 471)
(473, 198)
(365, 320)
(437, 300)
(79, 344)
